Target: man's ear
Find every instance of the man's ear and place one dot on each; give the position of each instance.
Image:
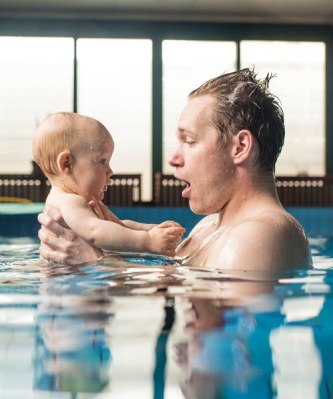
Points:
(64, 162)
(243, 146)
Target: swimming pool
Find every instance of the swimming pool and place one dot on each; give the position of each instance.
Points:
(139, 326)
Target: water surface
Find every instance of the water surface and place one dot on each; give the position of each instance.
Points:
(141, 326)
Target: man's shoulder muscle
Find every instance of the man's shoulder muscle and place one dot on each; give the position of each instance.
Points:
(269, 241)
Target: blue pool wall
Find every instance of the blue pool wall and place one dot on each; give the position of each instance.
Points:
(18, 220)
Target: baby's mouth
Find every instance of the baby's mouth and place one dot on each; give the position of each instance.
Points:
(104, 188)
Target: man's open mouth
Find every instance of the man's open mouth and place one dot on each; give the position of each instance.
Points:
(186, 185)
(182, 181)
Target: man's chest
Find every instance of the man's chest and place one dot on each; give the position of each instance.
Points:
(202, 249)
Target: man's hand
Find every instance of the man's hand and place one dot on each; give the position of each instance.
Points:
(60, 244)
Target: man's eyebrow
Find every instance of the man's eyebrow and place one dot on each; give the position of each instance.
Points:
(182, 131)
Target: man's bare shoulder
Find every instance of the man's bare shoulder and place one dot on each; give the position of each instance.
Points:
(268, 240)
(280, 219)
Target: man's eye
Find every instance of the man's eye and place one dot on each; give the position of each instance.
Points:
(190, 142)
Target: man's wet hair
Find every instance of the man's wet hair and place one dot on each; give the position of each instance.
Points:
(245, 102)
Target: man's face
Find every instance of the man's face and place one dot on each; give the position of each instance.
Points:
(200, 160)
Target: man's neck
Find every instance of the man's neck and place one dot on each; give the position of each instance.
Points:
(253, 194)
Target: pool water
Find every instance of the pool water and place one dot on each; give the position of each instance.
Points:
(140, 326)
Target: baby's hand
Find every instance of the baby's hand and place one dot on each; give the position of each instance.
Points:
(165, 238)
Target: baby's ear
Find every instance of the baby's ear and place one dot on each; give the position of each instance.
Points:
(64, 162)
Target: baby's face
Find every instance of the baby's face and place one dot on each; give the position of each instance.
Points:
(91, 169)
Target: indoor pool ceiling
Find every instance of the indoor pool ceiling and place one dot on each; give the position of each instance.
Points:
(272, 11)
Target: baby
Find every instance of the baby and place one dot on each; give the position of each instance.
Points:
(74, 152)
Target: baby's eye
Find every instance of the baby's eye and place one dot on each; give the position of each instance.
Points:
(102, 161)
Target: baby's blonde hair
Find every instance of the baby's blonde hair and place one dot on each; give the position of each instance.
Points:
(59, 132)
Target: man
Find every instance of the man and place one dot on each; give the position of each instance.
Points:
(230, 135)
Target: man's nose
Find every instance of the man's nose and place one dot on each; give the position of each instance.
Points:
(176, 160)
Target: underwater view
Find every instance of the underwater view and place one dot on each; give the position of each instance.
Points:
(142, 326)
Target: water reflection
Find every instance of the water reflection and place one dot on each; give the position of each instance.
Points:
(142, 326)
(246, 351)
(71, 351)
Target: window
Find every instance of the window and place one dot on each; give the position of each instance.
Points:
(187, 64)
(115, 87)
(300, 84)
(36, 80)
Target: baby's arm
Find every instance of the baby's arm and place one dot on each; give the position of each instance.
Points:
(110, 235)
(103, 212)
(131, 224)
